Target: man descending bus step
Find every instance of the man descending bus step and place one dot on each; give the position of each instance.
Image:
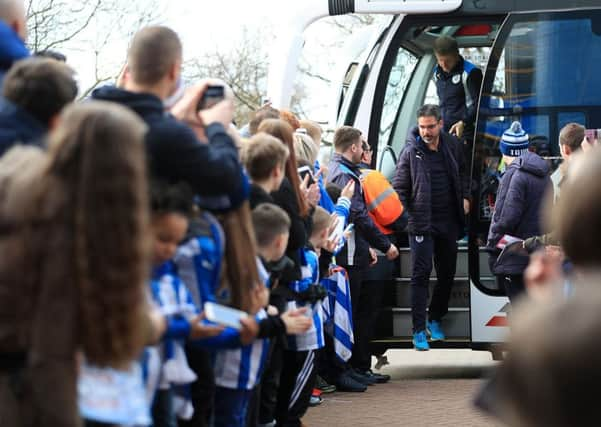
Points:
(458, 84)
(432, 183)
(356, 257)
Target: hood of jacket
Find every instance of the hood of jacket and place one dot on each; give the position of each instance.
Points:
(18, 126)
(531, 163)
(143, 104)
(12, 47)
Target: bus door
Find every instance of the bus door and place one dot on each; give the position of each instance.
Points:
(543, 72)
(405, 82)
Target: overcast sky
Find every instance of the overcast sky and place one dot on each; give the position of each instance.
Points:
(206, 25)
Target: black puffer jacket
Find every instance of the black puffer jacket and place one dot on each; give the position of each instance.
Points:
(412, 180)
(518, 205)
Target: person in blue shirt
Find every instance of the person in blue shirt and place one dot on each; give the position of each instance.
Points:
(13, 33)
(35, 92)
(171, 209)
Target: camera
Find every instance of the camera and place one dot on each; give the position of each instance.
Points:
(211, 96)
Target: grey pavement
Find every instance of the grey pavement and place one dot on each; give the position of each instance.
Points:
(434, 388)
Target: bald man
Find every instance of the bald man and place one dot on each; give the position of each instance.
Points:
(13, 33)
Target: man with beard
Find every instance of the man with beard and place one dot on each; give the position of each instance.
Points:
(357, 256)
(433, 186)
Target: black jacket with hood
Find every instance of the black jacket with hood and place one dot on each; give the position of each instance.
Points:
(518, 206)
(174, 152)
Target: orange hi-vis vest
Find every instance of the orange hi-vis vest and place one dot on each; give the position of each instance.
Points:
(383, 203)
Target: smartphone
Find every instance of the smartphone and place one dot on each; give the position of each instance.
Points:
(211, 96)
(303, 171)
(592, 135)
(224, 315)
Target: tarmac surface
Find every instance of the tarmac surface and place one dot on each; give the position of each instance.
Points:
(434, 388)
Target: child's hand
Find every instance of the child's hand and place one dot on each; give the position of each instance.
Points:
(349, 190)
(200, 330)
(296, 322)
(249, 331)
(272, 310)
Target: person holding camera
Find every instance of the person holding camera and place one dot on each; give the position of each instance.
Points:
(173, 141)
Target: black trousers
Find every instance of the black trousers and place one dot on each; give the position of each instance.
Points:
(263, 408)
(296, 384)
(202, 391)
(362, 300)
(513, 284)
(444, 251)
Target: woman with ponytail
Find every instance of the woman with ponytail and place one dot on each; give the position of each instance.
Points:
(74, 260)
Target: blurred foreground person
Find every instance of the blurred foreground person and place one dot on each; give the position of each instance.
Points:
(74, 260)
(551, 376)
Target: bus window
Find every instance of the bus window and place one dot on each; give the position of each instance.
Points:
(398, 79)
(541, 72)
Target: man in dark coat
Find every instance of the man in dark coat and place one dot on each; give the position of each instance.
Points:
(357, 256)
(458, 84)
(517, 208)
(433, 185)
(13, 33)
(35, 92)
(176, 147)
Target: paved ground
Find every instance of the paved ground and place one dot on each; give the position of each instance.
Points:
(427, 389)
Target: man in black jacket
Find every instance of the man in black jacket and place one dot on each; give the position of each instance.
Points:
(34, 93)
(458, 84)
(432, 183)
(357, 255)
(177, 149)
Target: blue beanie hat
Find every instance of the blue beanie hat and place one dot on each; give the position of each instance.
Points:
(226, 202)
(514, 141)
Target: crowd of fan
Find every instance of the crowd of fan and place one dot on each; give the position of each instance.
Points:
(160, 267)
(123, 215)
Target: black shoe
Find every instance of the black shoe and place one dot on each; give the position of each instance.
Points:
(346, 383)
(360, 377)
(380, 378)
(322, 384)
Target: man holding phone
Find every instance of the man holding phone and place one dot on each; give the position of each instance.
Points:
(173, 141)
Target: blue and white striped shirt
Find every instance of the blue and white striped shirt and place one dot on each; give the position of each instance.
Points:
(313, 338)
(241, 368)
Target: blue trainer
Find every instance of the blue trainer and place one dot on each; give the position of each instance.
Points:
(435, 331)
(420, 341)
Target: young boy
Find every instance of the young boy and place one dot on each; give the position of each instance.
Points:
(264, 158)
(272, 224)
(298, 374)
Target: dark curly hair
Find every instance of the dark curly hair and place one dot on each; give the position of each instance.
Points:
(170, 198)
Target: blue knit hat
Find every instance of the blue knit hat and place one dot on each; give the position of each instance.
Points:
(226, 202)
(514, 141)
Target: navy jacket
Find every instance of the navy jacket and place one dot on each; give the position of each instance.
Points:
(18, 127)
(365, 233)
(12, 49)
(412, 180)
(458, 93)
(174, 152)
(517, 208)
